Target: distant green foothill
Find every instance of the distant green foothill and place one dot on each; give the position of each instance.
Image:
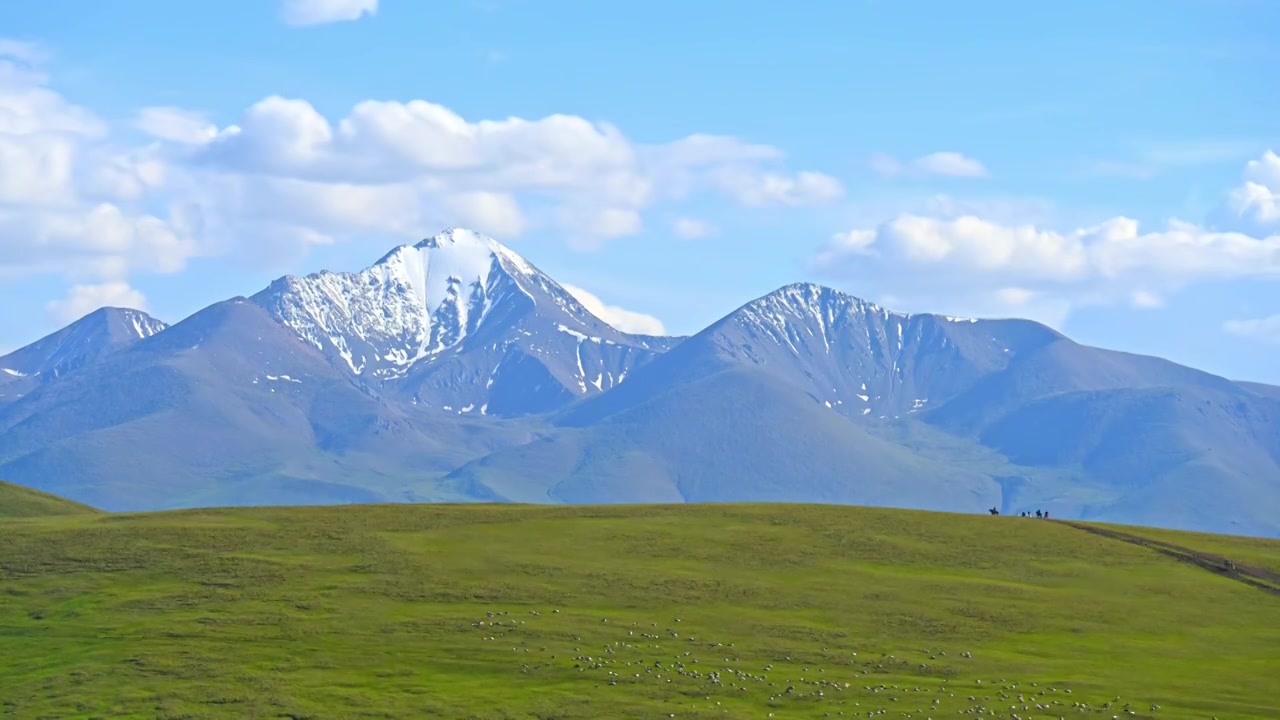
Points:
(17, 501)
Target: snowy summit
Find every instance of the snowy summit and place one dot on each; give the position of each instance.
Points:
(458, 302)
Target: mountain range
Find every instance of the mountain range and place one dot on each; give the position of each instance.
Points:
(454, 370)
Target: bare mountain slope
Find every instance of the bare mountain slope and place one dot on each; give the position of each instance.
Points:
(456, 370)
(738, 434)
(1064, 366)
(1075, 429)
(226, 407)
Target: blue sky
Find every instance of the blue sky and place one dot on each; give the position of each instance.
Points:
(674, 159)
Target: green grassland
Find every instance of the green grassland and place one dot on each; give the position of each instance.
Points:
(1258, 551)
(726, 611)
(21, 502)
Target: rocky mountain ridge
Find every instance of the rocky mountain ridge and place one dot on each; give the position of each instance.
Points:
(455, 370)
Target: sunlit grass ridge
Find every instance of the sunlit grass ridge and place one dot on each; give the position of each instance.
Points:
(587, 612)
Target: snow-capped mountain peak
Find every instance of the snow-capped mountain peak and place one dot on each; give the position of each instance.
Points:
(862, 359)
(803, 300)
(464, 241)
(809, 302)
(422, 308)
(438, 267)
(436, 270)
(102, 331)
(415, 303)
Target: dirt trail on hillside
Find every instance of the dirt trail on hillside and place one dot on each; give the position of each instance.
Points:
(1253, 576)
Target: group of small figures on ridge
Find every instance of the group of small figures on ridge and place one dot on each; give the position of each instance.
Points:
(1039, 513)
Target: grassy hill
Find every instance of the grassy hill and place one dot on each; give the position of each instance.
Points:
(20, 502)
(728, 611)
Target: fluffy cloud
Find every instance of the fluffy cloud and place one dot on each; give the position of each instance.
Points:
(75, 200)
(103, 242)
(41, 134)
(1114, 261)
(84, 299)
(625, 320)
(1264, 171)
(66, 195)
(1255, 205)
(583, 178)
(1112, 250)
(320, 12)
(496, 214)
(430, 145)
(36, 169)
(946, 164)
(844, 245)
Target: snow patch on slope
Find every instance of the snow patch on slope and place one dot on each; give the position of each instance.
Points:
(143, 326)
(285, 378)
(779, 311)
(416, 302)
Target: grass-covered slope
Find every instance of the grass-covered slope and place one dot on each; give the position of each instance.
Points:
(21, 502)
(636, 612)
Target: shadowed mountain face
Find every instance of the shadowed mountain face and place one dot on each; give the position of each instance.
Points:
(1077, 430)
(454, 370)
(227, 407)
(737, 434)
(84, 341)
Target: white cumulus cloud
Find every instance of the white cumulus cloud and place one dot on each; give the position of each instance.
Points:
(1254, 206)
(1116, 248)
(585, 178)
(1117, 260)
(97, 207)
(84, 299)
(625, 320)
(843, 245)
(495, 214)
(67, 196)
